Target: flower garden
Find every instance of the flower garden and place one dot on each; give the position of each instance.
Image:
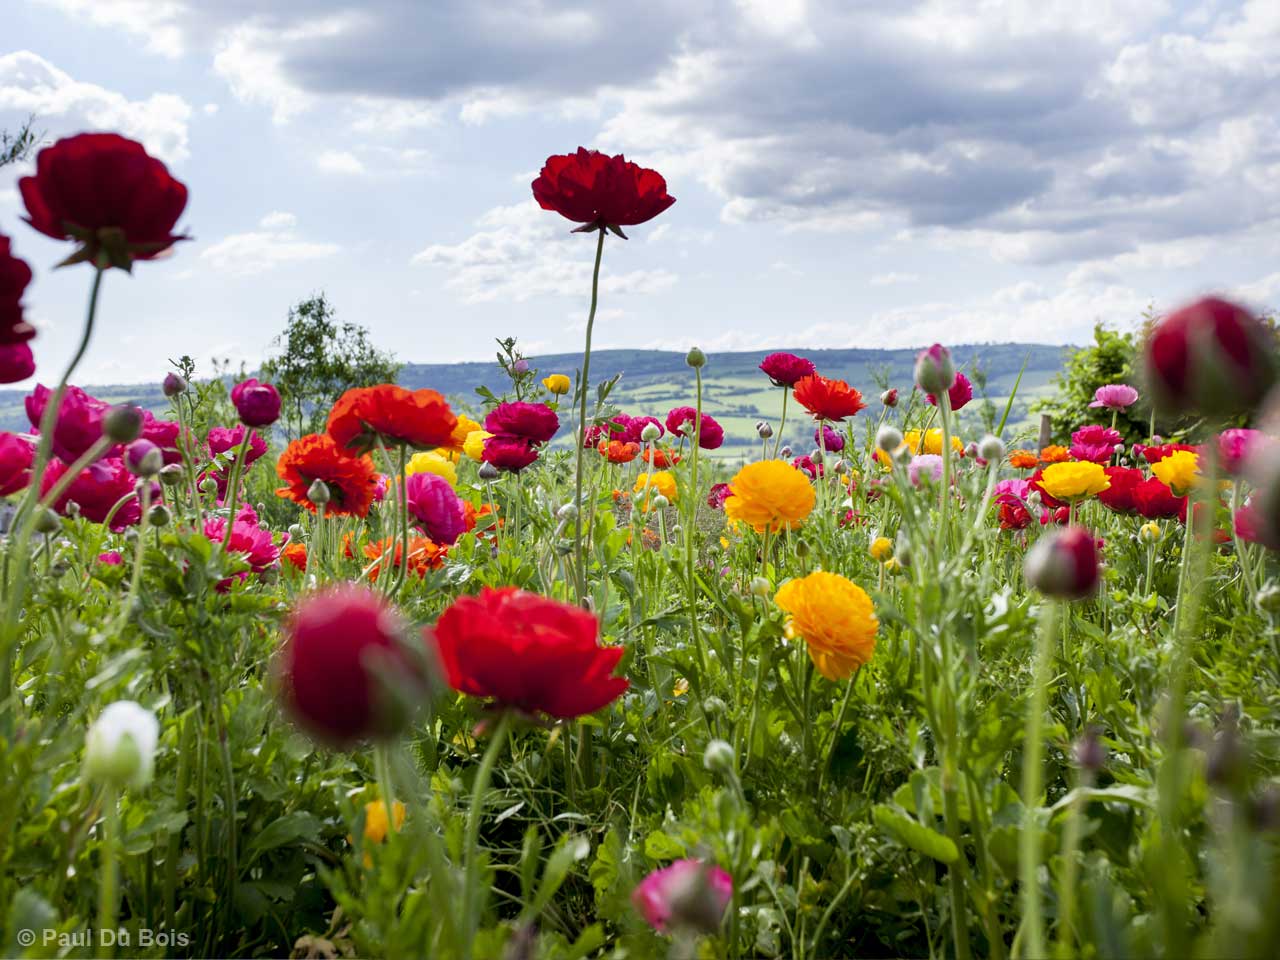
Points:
(530, 676)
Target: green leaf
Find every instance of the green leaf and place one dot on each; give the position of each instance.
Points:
(660, 846)
(919, 838)
(290, 828)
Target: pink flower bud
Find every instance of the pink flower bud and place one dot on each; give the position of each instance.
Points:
(1064, 564)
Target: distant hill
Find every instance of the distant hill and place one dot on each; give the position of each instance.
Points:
(735, 392)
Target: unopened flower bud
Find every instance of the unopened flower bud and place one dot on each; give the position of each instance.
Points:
(695, 358)
(1064, 565)
(761, 587)
(1149, 532)
(488, 471)
(842, 466)
(991, 449)
(174, 385)
(71, 509)
(122, 423)
(719, 757)
(935, 370)
(971, 451)
(1090, 752)
(521, 366)
(764, 430)
(786, 452)
(890, 397)
(158, 516)
(143, 458)
(171, 474)
(296, 533)
(208, 486)
(650, 433)
(47, 521)
(660, 502)
(888, 438)
(712, 706)
(568, 511)
(318, 493)
(816, 456)
(120, 748)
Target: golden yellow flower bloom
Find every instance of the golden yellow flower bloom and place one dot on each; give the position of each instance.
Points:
(459, 435)
(375, 819)
(660, 483)
(557, 383)
(881, 549)
(473, 446)
(680, 688)
(933, 442)
(1180, 471)
(892, 566)
(431, 462)
(1074, 480)
(770, 495)
(835, 617)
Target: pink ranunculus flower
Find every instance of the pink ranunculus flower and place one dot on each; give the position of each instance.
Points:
(438, 510)
(97, 489)
(925, 465)
(253, 544)
(786, 369)
(79, 423)
(227, 440)
(1114, 396)
(961, 392)
(16, 454)
(257, 403)
(1094, 443)
(1236, 446)
(720, 492)
(680, 422)
(111, 558)
(688, 894)
(533, 422)
(828, 438)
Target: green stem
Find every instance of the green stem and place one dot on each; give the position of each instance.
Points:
(473, 898)
(1032, 758)
(108, 889)
(402, 514)
(233, 492)
(386, 787)
(135, 579)
(583, 386)
(777, 443)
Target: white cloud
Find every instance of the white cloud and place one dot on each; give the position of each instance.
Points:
(340, 161)
(892, 278)
(158, 22)
(30, 84)
(259, 251)
(522, 251)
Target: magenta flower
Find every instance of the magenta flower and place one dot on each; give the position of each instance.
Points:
(688, 893)
(786, 369)
(1114, 396)
(249, 541)
(227, 440)
(826, 437)
(436, 507)
(961, 392)
(1236, 446)
(508, 453)
(15, 463)
(680, 423)
(805, 463)
(17, 362)
(534, 422)
(1095, 443)
(111, 558)
(79, 424)
(96, 490)
(258, 404)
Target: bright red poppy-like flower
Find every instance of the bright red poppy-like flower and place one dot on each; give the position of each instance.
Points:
(14, 277)
(527, 652)
(508, 453)
(296, 554)
(109, 195)
(79, 423)
(1065, 564)
(680, 422)
(258, 404)
(1094, 443)
(961, 392)
(1034, 483)
(317, 456)
(346, 671)
(16, 455)
(96, 490)
(419, 418)
(1153, 499)
(828, 399)
(1118, 497)
(436, 507)
(599, 191)
(786, 369)
(535, 422)
(618, 451)
(1212, 357)
(17, 362)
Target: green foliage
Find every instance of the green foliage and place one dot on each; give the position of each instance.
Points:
(16, 147)
(321, 358)
(1111, 358)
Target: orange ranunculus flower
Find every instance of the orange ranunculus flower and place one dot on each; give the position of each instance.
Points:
(770, 495)
(471, 516)
(1023, 460)
(618, 452)
(419, 418)
(1054, 454)
(296, 553)
(827, 399)
(424, 555)
(661, 458)
(834, 617)
(458, 439)
(351, 480)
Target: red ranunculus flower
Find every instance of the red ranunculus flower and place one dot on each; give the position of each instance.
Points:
(16, 455)
(351, 480)
(1046, 499)
(535, 422)
(420, 418)
(1211, 357)
(528, 653)
(1118, 497)
(680, 421)
(17, 363)
(1065, 564)
(600, 191)
(961, 392)
(1153, 499)
(1156, 453)
(345, 667)
(79, 424)
(828, 399)
(786, 369)
(258, 404)
(14, 277)
(96, 491)
(105, 192)
(508, 453)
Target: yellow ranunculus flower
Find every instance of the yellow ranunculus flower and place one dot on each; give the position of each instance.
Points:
(557, 383)
(473, 446)
(375, 819)
(933, 442)
(881, 549)
(431, 462)
(770, 495)
(835, 618)
(459, 435)
(1074, 480)
(1179, 471)
(661, 483)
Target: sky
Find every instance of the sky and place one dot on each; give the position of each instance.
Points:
(884, 173)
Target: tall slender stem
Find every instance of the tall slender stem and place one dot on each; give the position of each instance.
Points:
(1032, 757)
(777, 443)
(109, 885)
(471, 849)
(584, 384)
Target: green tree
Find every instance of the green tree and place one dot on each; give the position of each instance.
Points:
(1111, 358)
(319, 359)
(16, 147)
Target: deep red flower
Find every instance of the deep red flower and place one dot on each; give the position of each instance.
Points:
(79, 423)
(96, 490)
(1118, 497)
(420, 418)
(1212, 357)
(14, 277)
(258, 404)
(105, 192)
(317, 456)
(346, 672)
(599, 191)
(961, 392)
(828, 399)
(1251, 526)
(535, 422)
(1153, 499)
(1065, 564)
(527, 652)
(720, 492)
(680, 422)
(17, 362)
(1157, 452)
(16, 455)
(1013, 515)
(786, 369)
(509, 453)
(1046, 499)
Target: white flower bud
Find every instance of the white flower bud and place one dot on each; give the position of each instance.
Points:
(889, 438)
(991, 449)
(121, 745)
(650, 433)
(719, 757)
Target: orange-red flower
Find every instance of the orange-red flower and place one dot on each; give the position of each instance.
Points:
(617, 451)
(424, 555)
(827, 399)
(471, 516)
(295, 552)
(661, 459)
(317, 456)
(420, 418)
(1023, 460)
(1054, 454)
